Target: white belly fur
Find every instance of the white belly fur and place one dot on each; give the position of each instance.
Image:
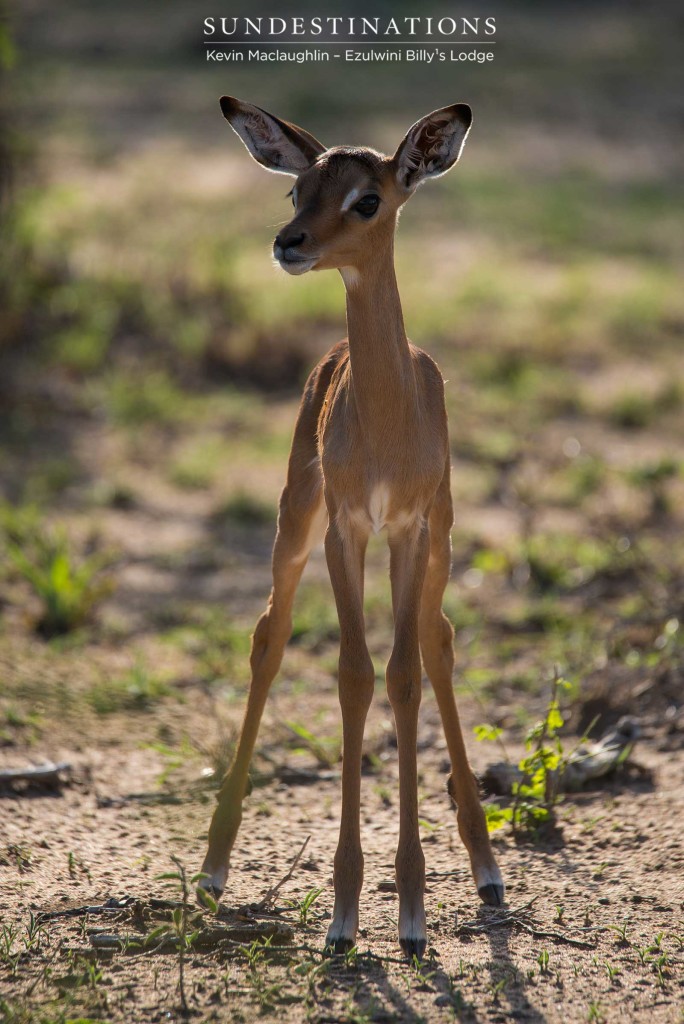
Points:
(376, 515)
(378, 507)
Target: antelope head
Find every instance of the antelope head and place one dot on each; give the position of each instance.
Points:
(346, 199)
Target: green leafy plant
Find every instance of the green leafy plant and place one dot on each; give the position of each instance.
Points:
(661, 965)
(536, 794)
(307, 903)
(9, 955)
(136, 690)
(267, 994)
(222, 649)
(326, 749)
(487, 732)
(621, 931)
(36, 934)
(612, 970)
(496, 816)
(595, 1013)
(255, 953)
(68, 588)
(181, 927)
(173, 758)
(245, 509)
(653, 478)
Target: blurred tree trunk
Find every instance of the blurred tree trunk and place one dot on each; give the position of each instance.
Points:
(6, 61)
(6, 172)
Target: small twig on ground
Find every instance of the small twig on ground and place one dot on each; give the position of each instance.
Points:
(497, 917)
(270, 896)
(48, 774)
(204, 938)
(515, 916)
(559, 936)
(112, 906)
(324, 954)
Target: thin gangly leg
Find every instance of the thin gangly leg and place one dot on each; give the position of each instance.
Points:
(345, 550)
(408, 561)
(436, 641)
(297, 522)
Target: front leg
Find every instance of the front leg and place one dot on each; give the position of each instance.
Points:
(408, 563)
(345, 550)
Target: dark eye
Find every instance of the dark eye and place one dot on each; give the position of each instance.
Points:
(368, 206)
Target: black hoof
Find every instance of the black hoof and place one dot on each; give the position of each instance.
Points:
(492, 894)
(339, 947)
(413, 947)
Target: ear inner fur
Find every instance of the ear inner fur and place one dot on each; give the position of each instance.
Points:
(433, 144)
(275, 144)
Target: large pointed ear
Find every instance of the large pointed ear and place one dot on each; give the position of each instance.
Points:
(275, 144)
(432, 145)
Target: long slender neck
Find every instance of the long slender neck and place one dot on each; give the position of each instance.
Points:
(382, 376)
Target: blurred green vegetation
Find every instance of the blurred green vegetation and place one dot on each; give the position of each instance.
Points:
(151, 362)
(151, 358)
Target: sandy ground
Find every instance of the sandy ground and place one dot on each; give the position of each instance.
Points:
(614, 863)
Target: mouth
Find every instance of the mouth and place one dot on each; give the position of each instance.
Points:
(298, 265)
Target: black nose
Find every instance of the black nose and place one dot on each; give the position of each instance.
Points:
(285, 241)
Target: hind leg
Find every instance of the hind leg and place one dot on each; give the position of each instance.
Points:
(436, 636)
(301, 512)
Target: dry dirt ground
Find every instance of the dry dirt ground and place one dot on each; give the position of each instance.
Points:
(596, 932)
(593, 927)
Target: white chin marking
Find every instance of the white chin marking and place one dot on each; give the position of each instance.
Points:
(350, 276)
(300, 267)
